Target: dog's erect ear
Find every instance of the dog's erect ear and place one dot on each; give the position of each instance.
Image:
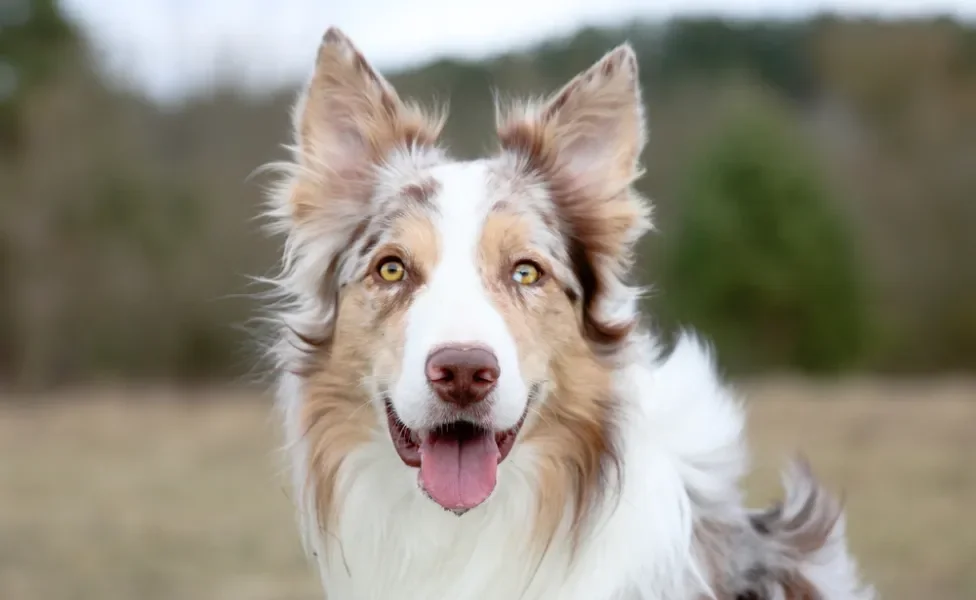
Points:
(594, 126)
(351, 119)
(586, 141)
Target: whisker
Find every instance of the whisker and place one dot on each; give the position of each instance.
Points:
(363, 404)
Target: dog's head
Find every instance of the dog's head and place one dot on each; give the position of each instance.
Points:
(454, 304)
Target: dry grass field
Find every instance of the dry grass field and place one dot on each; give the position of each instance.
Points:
(129, 495)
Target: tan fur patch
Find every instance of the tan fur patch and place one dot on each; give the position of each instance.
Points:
(336, 414)
(572, 432)
(574, 437)
(416, 235)
(415, 243)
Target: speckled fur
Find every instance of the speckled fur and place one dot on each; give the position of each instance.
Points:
(624, 481)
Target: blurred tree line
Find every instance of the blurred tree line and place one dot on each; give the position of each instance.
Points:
(814, 184)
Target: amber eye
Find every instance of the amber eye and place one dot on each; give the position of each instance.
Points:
(526, 273)
(392, 270)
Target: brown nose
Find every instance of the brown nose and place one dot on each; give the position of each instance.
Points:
(462, 375)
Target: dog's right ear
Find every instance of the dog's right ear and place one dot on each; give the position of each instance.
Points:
(349, 121)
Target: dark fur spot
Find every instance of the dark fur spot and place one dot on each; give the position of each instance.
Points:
(556, 105)
(421, 192)
(370, 244)
(549, 219)
(607, 336)
(309, 340)
(359, 230)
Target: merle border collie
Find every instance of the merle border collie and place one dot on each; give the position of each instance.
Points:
(472, 409)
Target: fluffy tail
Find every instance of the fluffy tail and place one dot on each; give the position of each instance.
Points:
(794, 550)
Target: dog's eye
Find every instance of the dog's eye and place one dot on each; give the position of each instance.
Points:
(392, 270)
(526, 273)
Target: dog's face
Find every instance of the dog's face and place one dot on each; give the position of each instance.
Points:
(456, 296)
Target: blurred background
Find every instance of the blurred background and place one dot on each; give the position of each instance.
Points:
(813, 169)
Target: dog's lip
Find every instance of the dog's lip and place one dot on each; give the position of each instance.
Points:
(407, 441)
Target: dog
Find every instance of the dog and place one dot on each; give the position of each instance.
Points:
(471, 406)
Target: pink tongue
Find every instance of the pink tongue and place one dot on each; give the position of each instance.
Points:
(458, 475)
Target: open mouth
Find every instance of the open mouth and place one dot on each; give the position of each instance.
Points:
(458, 461)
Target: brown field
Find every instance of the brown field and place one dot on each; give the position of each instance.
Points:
(113, 499)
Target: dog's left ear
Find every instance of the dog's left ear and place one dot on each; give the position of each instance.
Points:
(594, 126)
(585, 143)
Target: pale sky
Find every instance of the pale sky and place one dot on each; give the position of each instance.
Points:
(167, 48)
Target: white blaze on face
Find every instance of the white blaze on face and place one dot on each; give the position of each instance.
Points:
(454, 307)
